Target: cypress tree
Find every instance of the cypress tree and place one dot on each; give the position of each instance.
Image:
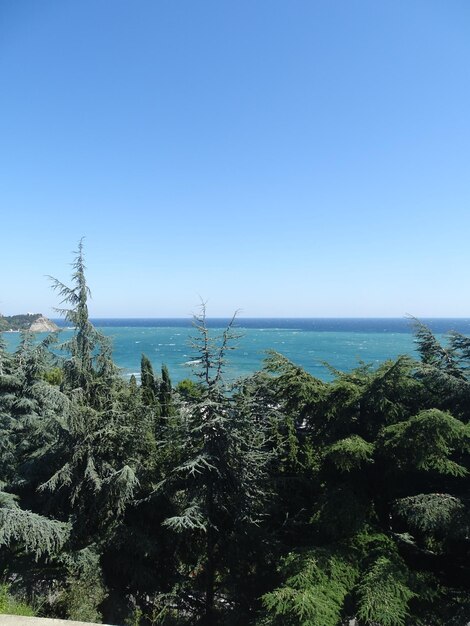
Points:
(166, 394)
(148, 383)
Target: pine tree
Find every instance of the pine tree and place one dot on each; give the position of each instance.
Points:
(89, 369)
(95, 451)
(30, 537)
(217, 487)
(444, 370)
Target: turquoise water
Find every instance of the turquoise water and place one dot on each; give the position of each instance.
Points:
(308, 349)
(309, 343)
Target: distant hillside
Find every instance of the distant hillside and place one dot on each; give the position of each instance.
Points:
(35, 322)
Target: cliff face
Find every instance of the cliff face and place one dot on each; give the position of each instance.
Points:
(43, 325)
(32, 321)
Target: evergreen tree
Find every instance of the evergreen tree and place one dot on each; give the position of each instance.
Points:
(88, 369)
(148, 383)
(330, 501)
(165, 396)
(30, 537)
(217, 488)
(94, 455)
(389, 487)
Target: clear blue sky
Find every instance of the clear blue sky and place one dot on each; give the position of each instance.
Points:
(289, 158)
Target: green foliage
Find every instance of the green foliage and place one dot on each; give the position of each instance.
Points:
(316, 586)
(18, 322)
(427, 441)
(433, 513)
(165, 395)
(433, 353)
(92, 475)
(189, 390)
(217, 487)
(148, 382)
(293, 386)
(54, 376)
(84, 587)
(9, 605)
(349, 453)
(384, 594)
(444, 370)
(33, 533)
(88, 369)
(321, 582)
(370, 435)
(279, 497)
(136, 617)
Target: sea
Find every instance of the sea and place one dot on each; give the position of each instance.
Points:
(343, 343)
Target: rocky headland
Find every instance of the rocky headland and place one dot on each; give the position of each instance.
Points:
(35, 322)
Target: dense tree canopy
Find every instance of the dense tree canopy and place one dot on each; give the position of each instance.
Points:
(276, 500)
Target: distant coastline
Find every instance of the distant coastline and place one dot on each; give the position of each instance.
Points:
(34, 322)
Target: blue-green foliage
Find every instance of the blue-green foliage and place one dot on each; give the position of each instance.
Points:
(280, 500)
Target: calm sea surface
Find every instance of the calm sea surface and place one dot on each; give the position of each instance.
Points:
(342, 343)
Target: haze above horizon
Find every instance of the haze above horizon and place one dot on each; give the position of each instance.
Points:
(304, 159)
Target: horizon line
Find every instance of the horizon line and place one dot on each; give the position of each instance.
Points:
(283, 317)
